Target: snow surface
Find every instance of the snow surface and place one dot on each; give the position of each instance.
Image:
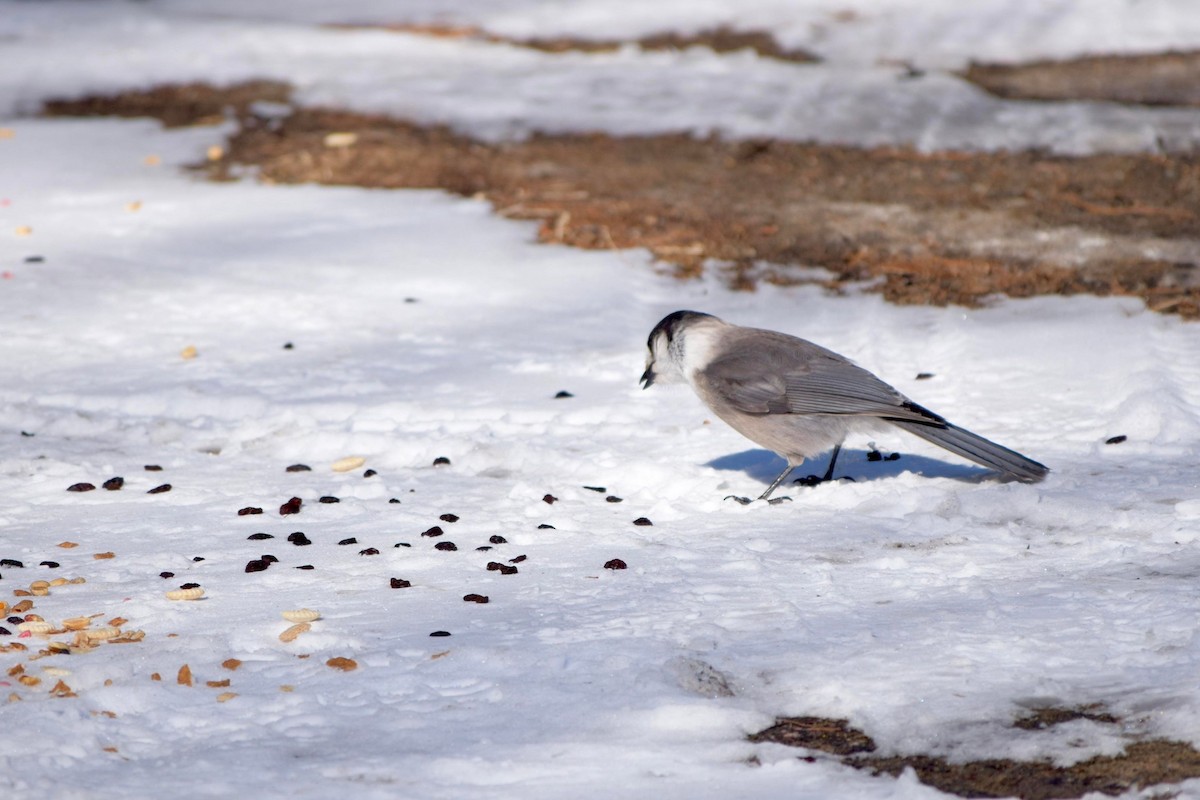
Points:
(927, 606)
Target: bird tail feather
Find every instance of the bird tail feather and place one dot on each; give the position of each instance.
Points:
(978, 449)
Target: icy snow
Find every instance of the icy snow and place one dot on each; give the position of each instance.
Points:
(926, 605)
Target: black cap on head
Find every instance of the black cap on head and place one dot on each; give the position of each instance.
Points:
(671, 323)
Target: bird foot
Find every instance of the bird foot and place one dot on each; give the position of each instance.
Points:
(742, 500)
(777, 500)
(810, 480)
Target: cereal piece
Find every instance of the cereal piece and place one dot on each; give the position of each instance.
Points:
(184, 676)
(287, 687)
(294, 631)
(3, 608)
(67, 545)
(344, 664)
(231, 664)
(340, 139)
(221, 684)
(77, 623)
(29, 680)
(214, 152)
(347, 464)
(133, 205)
(189, 352)
(40, 585)
(117, 622)
(58, 647)
(224, 697)
(23, 230)
(59, 582)
(15, 670)
(103, 556)
(102, 634)
(77, 580)
(56, 672)
(61, 689)
(36, 627)
(194, 593)
(128, 637)
(152, 160)
(22, 607)
(302, 615)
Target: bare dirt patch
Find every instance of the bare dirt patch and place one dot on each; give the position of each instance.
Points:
(722, 39)
(1160, 79)
(1143, 764)
(938, 228)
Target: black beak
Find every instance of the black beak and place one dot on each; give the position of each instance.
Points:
(647, 379)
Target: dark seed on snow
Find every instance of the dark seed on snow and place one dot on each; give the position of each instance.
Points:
(256, 536)
(5, 632)
(924, 376)
(81, 487)
(50, 564)
(152, 468)
(518, 559)
(449, 517)
(249, 511)
(28, 435)
(370, 473)
(291, 507)
(434, 531)
(598, 489)
(298, 538)
(402, 544)
(400, 583)
(874, 455)
(351, 540)
(288, 346)
(189, 586)
(475, 598)
(166, 575)
(257, 565)
(616, 563)
(503, 569)
(15, 620)
(892, 457)
(197, 558)
(11, 562)
(484, 548)
(642, 521)
(1116, 439)
(370, 551)
(445, 546)
(612, 498)
(440, 633)
(165, 487)
(393, 500)
(34, 259)
(299, 468)
(563, 394)
(441, 461)
(545, 527)
(269, 558)
(113, 484)
(329, 499)
(497, 539)
(305, 566)
(549, 499)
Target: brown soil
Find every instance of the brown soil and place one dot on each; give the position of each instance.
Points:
(1143, 764)
(1161, 79)
(936, 228)
(722, 39)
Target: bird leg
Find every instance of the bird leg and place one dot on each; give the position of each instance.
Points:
(813, 480)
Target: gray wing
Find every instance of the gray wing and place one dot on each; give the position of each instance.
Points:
(763, 372)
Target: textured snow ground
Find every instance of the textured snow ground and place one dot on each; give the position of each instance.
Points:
(924, 605)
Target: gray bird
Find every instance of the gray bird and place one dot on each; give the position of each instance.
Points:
(799, 399)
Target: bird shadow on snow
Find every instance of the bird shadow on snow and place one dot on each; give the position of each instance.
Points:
(766, 466)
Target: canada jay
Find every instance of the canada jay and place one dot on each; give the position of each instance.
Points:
(798, 399)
